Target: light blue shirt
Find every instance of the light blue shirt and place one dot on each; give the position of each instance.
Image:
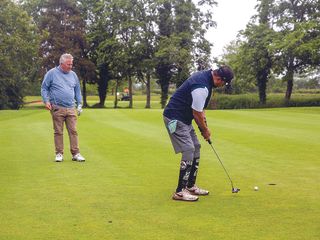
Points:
(60, 88)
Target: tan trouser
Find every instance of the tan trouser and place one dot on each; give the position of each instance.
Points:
(69, 116)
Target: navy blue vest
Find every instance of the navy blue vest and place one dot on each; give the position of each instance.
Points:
(179, 106)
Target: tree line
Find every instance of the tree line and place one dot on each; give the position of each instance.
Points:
(120, 40)
(150, 40)
(282, 39)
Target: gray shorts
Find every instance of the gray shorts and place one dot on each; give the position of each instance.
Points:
(183, 137)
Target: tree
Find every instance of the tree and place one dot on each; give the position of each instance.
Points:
(133, 39)
(190, 27)
(250, 56)
(202, 47)
(63, 31)
(256, 49)
(184, 34)
(128, 36)
(297, 45)
(236, 55)
(123, 36)
(115, 35)
(145, 48)
(99, 35)
(257, 56)
(18, 48)
(285, 38)
(180, 42)
(164, 49)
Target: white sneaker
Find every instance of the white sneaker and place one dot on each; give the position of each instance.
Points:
(59, 157)
(184, 195)
(195, 190)
(78, 157)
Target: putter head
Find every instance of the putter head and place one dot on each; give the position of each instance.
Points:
(235, 190)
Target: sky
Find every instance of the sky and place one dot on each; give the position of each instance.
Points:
(231, 16)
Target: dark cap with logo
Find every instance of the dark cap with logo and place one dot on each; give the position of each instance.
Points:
(226, 74)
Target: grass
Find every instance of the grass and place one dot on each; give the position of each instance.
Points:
(123, 190)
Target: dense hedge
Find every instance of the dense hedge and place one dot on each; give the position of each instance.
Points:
(223, 101)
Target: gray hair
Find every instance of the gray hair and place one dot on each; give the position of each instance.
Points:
(64, 57)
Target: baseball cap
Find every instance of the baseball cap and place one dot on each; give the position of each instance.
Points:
(226, 74)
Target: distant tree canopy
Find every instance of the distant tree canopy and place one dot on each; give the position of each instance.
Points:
(140, 38)
(297, 42)
(283, 39)
(127, 41)
(180, 41)
(18, 46)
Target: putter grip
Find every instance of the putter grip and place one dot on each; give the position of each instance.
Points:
(209, 141)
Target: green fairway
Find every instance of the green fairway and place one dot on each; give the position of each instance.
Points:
(123, 190)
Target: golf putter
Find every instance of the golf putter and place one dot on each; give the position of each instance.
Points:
(234, 189)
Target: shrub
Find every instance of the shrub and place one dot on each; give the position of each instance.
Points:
(223, 101)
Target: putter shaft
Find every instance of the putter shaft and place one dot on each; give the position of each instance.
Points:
(225, 170)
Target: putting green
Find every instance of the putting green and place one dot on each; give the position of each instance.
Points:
(123, 190)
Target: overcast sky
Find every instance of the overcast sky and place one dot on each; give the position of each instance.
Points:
(231, 16)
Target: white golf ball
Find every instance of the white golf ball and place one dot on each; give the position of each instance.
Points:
(256, 188)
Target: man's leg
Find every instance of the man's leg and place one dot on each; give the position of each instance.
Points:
(192, 188)
(58, 121)
(193, 172)
(196, 158)
(71, 123)
(185, 168)
(181, 141)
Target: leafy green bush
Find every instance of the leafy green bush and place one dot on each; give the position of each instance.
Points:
(223, 101)
(309, 91)
(304, 100)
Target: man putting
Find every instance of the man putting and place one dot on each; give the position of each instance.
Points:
(186, 104)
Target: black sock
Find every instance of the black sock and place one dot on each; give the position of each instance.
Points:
(185, 168)
(193, 172)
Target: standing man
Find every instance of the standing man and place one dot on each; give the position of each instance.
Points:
(60, 88)
(186, 104)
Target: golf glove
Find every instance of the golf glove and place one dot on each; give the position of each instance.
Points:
(79, 109)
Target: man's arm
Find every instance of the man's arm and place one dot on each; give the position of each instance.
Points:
(199, 96)
(45, 88)
(200, 119)
(78, 96)
(77, 91)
